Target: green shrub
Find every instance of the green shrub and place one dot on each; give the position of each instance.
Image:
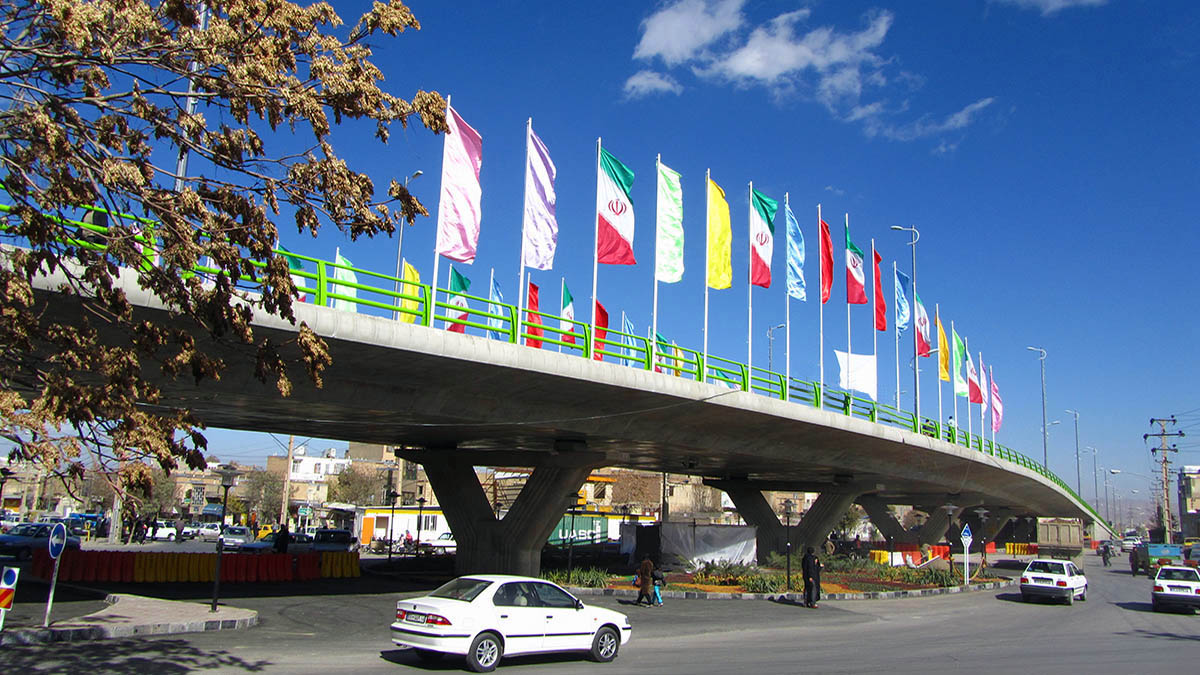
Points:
(763, 583)
(722, 573)
(583, 577)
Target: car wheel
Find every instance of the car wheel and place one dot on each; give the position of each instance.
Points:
(1083, 594)
(170, 537)
(485, 653)
(428, 654)
(605, 645)
(1070, 598)
(1154, 605)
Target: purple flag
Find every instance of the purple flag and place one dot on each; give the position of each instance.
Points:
(458, 208)
(540, 229)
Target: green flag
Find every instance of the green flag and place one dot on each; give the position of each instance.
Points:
(960, 350)
(668, 266)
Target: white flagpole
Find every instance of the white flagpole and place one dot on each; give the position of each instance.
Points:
(657, 219)
(967, 353)
(874, 303)
(983, 401)
(938, 319)
(787, 305)
(750, 292)
(707, 262)
(954, 376)
(820, 311)
(436, 256)
(849, 344)
(337, 253)
(562, 301)
(596, 247)
(896, 330)
(521, 276)
(491, 285)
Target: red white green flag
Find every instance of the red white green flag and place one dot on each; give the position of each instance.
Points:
(566, 324)
(614, 212)
(856, 292)
(762, 237)
(458, 284)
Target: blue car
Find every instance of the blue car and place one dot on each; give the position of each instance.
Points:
(22, 540)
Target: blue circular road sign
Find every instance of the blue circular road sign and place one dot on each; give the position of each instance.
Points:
(10, 577)
(58, 540)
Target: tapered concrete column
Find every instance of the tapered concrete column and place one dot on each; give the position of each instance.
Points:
(882, 518)
(512, 545)
(996, 521)
(820, 519)
(962, 516)
(935, 525)
(754, 509)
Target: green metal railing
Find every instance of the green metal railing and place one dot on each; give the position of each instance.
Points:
(414, 303)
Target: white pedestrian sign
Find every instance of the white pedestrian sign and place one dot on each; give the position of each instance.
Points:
(966, 535)
(966, 541)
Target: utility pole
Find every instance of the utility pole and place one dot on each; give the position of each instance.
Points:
(1162, 436)
(287, 483)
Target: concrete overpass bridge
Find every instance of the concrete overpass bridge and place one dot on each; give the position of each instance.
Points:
(455, 401)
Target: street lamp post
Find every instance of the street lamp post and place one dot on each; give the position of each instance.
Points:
(1107, 511)
(787, 529)
(1095, 483)
(228, 478)
(1077, 479)
(1045, 442)
(916, 345)
(571, 500)
(420, 514)
(771, 346)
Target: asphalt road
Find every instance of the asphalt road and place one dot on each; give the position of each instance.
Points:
(1115, 631)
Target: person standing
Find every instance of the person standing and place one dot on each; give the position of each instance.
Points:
(810, 567)
(645, 581)
(282, 539)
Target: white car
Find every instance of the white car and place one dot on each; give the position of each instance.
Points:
(487, 616)
(1130, 543)
(1058, 579)
(164, 532)
(443, 544)
(1176, 586)
(209, 531)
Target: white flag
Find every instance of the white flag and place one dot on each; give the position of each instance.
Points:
(859, 375)
(342, 274)
(540, 228)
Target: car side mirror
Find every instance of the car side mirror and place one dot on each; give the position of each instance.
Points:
(578, 603)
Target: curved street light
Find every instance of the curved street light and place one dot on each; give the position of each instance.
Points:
(916, 236)
(1045, 443)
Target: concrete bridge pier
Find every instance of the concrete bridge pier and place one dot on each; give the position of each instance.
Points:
(513, 544)
(934, 529)
(882, 518)
(812, 528)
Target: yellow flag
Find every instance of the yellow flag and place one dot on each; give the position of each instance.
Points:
(410, 287)
(720, 268)
(943, 353)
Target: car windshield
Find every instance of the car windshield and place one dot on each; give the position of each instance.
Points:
(335, 536)
(237, 531)
(463, 588)
(1178, 575)
(1045, 567)
(30, 530)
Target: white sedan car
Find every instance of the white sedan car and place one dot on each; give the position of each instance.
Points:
(487, 616)
(1058, 579)
(1176, 587)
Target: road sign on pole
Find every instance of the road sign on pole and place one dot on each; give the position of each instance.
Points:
(56, 545)
(8, 589)
(966, 540)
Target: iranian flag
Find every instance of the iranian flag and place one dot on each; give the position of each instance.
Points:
(856, 292)
(762, 237)
(614, 212)
(922, 321)
(565, 323)
(601, 331)
(974, 395)
(458, 284)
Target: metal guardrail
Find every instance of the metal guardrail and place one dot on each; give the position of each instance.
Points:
(498, 320)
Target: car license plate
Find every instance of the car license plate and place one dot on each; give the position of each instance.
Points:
(1179, 589)
(1042, 580)
(414, 617)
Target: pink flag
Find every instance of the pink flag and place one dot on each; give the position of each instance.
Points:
(458, 208)
(540, 229)
(997, 405)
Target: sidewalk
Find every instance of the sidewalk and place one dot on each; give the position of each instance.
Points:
(134, 615)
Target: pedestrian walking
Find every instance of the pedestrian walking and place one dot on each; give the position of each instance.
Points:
(659, 581)
(153, 529)
(282, 539)
(810, 567)
(645, 581)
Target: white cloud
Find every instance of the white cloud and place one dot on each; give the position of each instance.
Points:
(1048, 7)
(647, 83)
(835, 190)
(924, 127)
(679, 31)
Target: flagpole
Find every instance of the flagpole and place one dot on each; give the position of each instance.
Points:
(954, 376)
(849, 344)
(491, 285)
(653, 345)
(896, 332)
(436, 256)
(596, 247)
(787, 307)
(982, 402)
(750, 292)
(521, 275)
(707, 263)
(337, 254)
(874, 300)
(937, 317)
(967, 351)
(820, 311)
(562, 303)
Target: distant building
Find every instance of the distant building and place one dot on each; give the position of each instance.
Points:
(1189, 501)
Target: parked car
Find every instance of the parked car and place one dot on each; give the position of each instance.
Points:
(443, 544)
(22, 540)
(209, 531)
(1057, 579)
(486, 617)
(164, 532)
(190, 530)
(331, 540)
(235, 537)
(1176, 587)
(298, 543)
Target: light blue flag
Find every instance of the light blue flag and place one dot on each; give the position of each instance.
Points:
(795, 257)
(627, 327)
(901, 284)
(495, 296)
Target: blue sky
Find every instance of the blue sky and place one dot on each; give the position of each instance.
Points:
(1045, 149)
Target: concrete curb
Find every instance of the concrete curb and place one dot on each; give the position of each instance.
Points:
(798, 598)
(134, 616)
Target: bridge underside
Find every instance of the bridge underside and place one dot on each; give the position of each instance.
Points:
(478, 402)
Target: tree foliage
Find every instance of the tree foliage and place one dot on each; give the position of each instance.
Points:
(94, 114)
(358, 486)
(263, 493)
